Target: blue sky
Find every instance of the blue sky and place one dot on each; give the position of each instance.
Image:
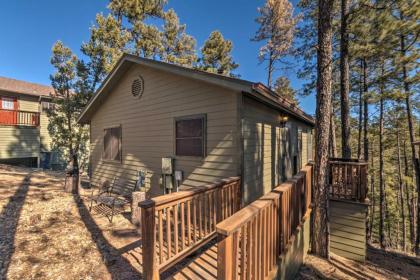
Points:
(29, 28)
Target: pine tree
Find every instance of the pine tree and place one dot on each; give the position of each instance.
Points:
(106, 44)
(323, 112)
(135, 10)
(344, 81)
(147, 40)
(305, 48)
(277, 28)
(406, 15)
(178, 47)
(216, 55)
(282, 88)
(71, 95)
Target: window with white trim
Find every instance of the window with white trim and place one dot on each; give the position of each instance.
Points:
(7, 103)
(47, 106)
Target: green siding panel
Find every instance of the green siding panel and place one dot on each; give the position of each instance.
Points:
(348, 229)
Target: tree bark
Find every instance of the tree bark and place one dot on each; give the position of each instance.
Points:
(388, 224)
(73, 153)
(270, 69)
(365, 113)
(381, 177)
(344, 82)
(359, 140)
(75, 177)
(320, 245)
(416, 164)
(333, 142)
(401, 190)
(409, 199)
(372, 197)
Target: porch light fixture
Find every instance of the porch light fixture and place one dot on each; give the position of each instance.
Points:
(283, 120)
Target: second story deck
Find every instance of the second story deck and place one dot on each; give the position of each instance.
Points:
(19, 118)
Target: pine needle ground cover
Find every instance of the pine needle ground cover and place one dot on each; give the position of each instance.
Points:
(46, 233)
(380, 265)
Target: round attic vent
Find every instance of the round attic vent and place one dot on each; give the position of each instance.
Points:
(137, 87)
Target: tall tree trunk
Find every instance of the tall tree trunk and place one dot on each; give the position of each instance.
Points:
(388, 241)
(344, 82)
(401, 190)
(416, 164)
(333, 142)
(365, 113)
(409, 199)
(359, 140)
(270, 70)
(372, 197)
(320, 244)
(381, 177)
(73, 159)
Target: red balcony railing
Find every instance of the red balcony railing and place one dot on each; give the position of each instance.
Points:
(19, 118)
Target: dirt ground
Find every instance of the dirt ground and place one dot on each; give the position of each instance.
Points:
(379, 265)
(46, 233)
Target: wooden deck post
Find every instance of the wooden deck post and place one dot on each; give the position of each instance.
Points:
(137, 197)
(238, 196)
(224, 257)
(148, 235)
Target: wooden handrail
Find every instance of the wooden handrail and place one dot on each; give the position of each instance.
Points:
(237, 220)
(168, 198)
(348, 163)
(21, 111)
(251, 240)
(180, 223)
(348, 179)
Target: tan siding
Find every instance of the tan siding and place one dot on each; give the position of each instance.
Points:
(28, 103)
(148, 128)
(348, 229)
(18, 142)
(44, 134)
(268, 148)
(310, 144)
(304, 152)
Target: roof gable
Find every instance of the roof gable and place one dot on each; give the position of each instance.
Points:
(258, 90)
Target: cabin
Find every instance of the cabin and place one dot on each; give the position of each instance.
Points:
(24, 136)
(181, 128)
(227, 166)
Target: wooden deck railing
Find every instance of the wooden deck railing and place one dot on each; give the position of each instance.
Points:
(251, 241)
(175, 225)
(22, 118)
(348, 179)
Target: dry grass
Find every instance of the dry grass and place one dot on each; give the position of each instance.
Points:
(46, 233)
(380, 265)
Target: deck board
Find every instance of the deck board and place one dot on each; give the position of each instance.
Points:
(201, 266)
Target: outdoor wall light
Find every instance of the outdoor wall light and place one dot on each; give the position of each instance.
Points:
(283, 120)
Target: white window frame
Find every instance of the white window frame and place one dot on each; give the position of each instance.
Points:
(7, 103)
